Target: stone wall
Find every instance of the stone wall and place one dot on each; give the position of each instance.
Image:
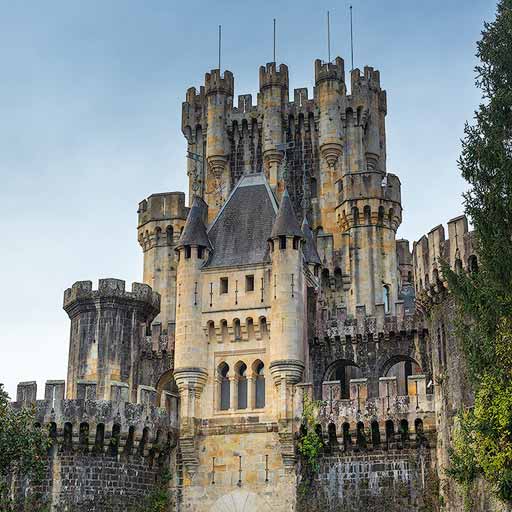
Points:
(380, 480)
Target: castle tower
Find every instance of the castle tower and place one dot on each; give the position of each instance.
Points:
(330, 94)
(161, 219)
(272, 99)
(287, 305)
(107, 332)
(219, 97)
(191, 357)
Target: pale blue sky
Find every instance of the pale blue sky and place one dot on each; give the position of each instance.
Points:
(90, 106)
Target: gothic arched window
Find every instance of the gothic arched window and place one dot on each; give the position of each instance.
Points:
(242, 386)
(224, 392)
(259, 371)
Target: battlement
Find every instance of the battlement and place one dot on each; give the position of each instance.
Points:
(458, 250)
(113, 289)
(163, 206)
(330, 70)
(270, 76)
(216, 83)
(369, 79)
(380, 325)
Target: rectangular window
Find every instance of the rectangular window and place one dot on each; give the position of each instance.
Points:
(188, 251)
(224, 285)
(282, 242)
(249, 283)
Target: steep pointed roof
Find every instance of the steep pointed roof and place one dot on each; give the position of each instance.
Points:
(243, 225)
(286, 223)
(194, 232)
(309, 247)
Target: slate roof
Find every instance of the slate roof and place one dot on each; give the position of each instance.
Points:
(240, 232)
(194, 232)
(286, 223)
(309, 247)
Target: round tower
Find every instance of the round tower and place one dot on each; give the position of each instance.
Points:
(219, 97)
(161, 217)
(106, 337)
(273, 97)
(330, 90)
(190, 361)
(287, 304)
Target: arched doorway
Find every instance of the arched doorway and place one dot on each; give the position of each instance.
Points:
(241, 501)
(342, 371)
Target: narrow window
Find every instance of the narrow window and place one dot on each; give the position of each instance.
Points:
(260, 386)
(100, 437)
(237, 329)
(249, 283)
(188, 251)
(386, 298)
(224, 386)
(242, 386)
(375, 433)
(282, 242)
(200, 251)
(115, 440)
(224, 285)
(170, 235)
(67, 445)
(295, 242)
(84, 437)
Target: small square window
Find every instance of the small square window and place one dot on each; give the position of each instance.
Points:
(249, 283)
(224, 285)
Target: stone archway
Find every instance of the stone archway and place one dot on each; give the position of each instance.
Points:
(240, 501)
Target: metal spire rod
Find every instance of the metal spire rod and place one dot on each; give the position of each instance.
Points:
(220, 39)
(328, 37)
(351, 39)
(274, 40)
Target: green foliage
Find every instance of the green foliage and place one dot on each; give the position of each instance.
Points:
(22, 453)
(482, 443)
(310, 443)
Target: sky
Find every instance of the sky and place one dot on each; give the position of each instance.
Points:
(90, 124)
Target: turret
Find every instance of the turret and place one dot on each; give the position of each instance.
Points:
(106, 337)
(273, 97)
(161, 218)
(287, 304)
(219, 97)
(330, 92)
(190, 362)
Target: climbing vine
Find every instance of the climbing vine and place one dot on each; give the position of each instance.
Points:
(310, 442)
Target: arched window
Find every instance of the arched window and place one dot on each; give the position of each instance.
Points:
(409, 277)
(375, 433)
(259, 371)
(361, 435)
(313, 187)
(250, 328)
(67, 445)
(347, 439)
(325, 278)
(224, 330)
(402, 369)
(355, 215)
(143, 442)
(241, 375)
(237, 329)
(128, 448)
(100, 438)
(343, 371)
(331, 431)
(337, 278)
(158, 235)
(367, 212)
(212, 336)
(224, 391)
(263, 327)
(169, 235)
(83, 437)
(458, 265)
(386, 298)
(115, 440)
(404, 432)
(390, 431)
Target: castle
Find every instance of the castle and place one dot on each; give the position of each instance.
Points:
(282, 280)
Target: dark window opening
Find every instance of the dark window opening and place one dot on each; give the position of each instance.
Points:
(249, 283)
(296, 242)
(188, 251)
(282, 242)
(200, 252)
(242, 386)
(224, 387)
(260, 386)
(224, 285)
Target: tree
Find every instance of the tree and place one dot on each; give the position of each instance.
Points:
(483, 439)
(23, 449)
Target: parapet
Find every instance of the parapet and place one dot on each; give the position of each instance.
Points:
(193, 110)
(330, 70)
(271, 77)
(216, 83)
(370, 79)
(110, 289)
(163, 206)
(458, 250)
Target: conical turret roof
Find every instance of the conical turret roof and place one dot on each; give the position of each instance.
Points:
(194, 232)
(309, 247)
(286, 223)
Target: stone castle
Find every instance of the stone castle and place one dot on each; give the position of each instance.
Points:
(282, 281)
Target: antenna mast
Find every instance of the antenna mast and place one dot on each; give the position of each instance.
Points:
(274, 40)
(328, 37)
(220, 39)
(351, 39)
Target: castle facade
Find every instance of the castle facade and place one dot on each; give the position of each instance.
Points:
(281, 282)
